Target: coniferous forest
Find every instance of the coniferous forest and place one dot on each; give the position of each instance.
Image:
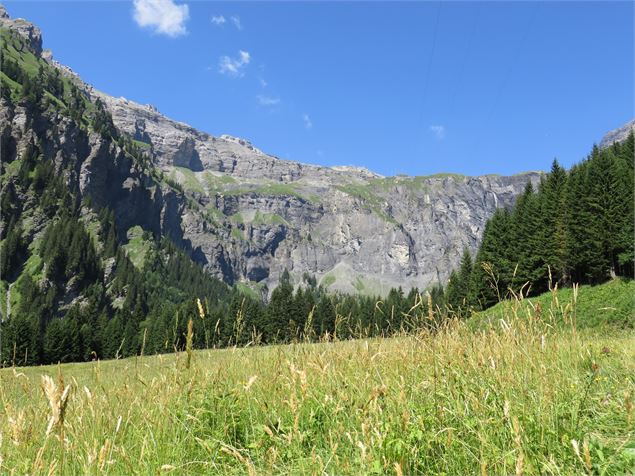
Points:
(577, 227)
(78, 296)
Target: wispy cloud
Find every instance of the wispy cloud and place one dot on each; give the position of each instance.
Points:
(218, 20)
(267, 100)
(263, 83)
(438, 131)
(234, 66)
(236, 21)
(308, 124)
(162, 16)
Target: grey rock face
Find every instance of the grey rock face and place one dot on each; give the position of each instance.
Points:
(29, 31)
(617, 135)
(355, 230)
(247, 216)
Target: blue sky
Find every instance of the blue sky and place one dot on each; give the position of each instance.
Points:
(416, 88)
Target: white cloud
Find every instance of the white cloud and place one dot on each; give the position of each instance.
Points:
(218, 20)
(163, 16)
(263, 83)
(236, 21)
(438, 131)
(267, 100)
(307, 121)
(234, 66)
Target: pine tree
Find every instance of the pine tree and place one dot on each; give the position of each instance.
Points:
(279, 311)
(12, 252)
(625, 239)
(492, 272)
(324, 316)
(453, 292)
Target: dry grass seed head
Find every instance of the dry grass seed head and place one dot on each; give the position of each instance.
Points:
(57, 396)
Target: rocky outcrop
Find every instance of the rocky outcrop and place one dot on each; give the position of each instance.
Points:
(25, 29)
(617, 135)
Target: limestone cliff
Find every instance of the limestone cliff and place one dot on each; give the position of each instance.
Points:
(247, 216)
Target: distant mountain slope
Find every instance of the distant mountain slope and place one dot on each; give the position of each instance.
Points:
(247, 216)
(617, 135)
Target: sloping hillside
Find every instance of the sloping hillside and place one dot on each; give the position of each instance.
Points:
(611, 304)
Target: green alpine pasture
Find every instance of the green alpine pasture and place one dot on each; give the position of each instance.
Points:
(514, 395)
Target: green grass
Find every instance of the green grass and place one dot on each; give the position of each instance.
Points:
(217, 183)
(14, 87)
(272, 189)
(93, 227)
(142, 145)
(444, 175)
(213, 215)
(610, 303)
(529, 398)
(328, 280)
(249, 289)
(25, 58)
(411, 184)
(418, 184)
(227, 185)
(278, 189)
(237, 234)
(137, 246)
(368, 197)
(13, 168)
(56, 101)
(261, 218)
(237, 218)
(188, 179)
(33, 267)
(359, 284)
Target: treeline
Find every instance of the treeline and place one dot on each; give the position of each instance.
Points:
(577, 227)
(78, 296)
(81, 304)
(75, 292)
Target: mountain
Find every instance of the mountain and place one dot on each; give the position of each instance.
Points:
(116, 224)
(243, 214)
(617, 135)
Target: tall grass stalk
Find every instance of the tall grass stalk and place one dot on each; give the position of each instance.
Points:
(525, 394)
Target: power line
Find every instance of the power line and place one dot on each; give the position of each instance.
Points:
(466, 56)
(424, 94)
(512, 63)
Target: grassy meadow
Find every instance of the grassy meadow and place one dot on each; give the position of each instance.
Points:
(528, 391)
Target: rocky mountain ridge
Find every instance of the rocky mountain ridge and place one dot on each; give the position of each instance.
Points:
(354, 229)
(246, 216)
(617, 135)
